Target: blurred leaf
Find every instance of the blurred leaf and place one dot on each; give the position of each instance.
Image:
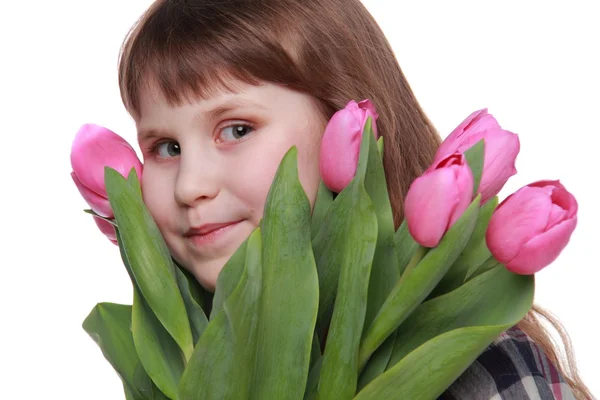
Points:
(356, 249)
(149, 259)
(378, 362)
(417, 283)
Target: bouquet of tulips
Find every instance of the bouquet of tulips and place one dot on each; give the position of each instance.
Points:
(335, 303)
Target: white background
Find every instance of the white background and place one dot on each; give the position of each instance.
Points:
(532, 63)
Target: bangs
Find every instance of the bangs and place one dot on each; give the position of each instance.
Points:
(190, 51)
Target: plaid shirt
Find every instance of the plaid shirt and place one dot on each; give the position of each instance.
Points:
(511, 368)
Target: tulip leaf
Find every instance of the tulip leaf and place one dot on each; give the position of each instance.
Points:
(384, 271)
(378, 362)
(108, 324)
(290, 294)
(380, 146)
(356, 248)
(438, 366)
(443, 336)
(312, 385)
(475, 155)
(473, 255)
(260, 342)
(226, 353)
(146, 385)
(229, 278)
(209, 373)
(197, 318)
(134, 181)
(149, 259)
(418, 282)
(158, 353)
(199, 294)
(406, 246)
(321, 206)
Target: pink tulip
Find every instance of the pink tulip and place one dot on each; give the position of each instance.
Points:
(531, 227)
(501, 150)
(438, 198)
(340, 145)
(95, 147)
(107, 228)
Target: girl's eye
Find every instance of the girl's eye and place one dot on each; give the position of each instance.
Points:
(235, 132)
(168, 149)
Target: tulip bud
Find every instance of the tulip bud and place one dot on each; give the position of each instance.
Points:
(94, 148)
(340, 145)
(436, 199)
(501, 150)
(532, 226)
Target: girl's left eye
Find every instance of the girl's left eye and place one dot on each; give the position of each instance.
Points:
(234, 133)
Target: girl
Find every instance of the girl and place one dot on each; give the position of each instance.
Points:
(220, 90)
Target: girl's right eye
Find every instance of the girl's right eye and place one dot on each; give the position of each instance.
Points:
(167, 149)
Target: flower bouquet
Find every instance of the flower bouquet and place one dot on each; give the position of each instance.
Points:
(329, 302)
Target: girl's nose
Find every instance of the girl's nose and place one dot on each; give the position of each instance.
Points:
(196, 180)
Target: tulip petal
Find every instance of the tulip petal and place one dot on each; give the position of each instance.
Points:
(501, 150)
(517, 219)
(107, 229)
(542, 250)
(340, 146)
(429, 204)
(457, 136)
(95, 147)
(99, 204)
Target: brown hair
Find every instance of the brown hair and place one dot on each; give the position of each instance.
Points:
(331, 49)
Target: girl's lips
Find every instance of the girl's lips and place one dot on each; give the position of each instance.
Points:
(210, 234)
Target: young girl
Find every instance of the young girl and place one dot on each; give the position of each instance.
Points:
(221, 89)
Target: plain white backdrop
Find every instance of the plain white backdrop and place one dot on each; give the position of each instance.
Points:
(533, 64)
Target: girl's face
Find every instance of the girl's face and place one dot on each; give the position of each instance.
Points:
(208, 166)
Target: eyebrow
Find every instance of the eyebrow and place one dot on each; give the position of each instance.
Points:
(210, 115)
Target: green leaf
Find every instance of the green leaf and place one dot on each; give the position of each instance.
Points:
(322, 203)
(473, 255)
(356, 249)
(157, 352)
(384, 271)
(380, 146)
(378, 362)
(108, 324)
(436, 368)
(134, 181)
(443, 336)
(290, 289)
(156, 349)
(406, 246)
(149, 259)
(209, 373)
(196, 316)
(260, 342)
(228, 278)
(474, 156)
(226, 352)
(312, 385)
(146, 385)
(417, 283)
